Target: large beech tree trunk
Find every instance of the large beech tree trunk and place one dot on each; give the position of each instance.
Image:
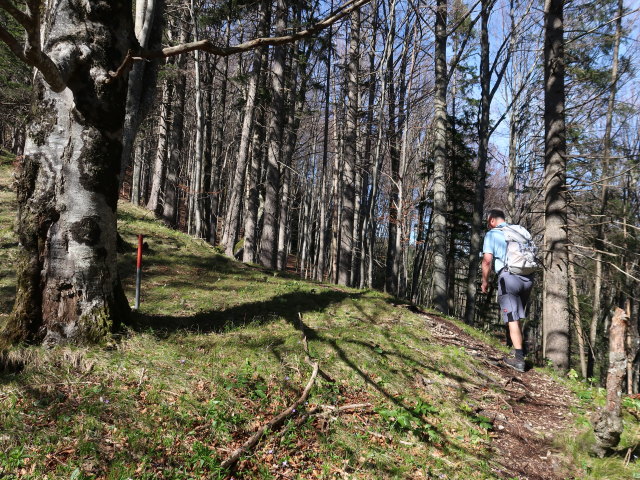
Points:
(68, 287)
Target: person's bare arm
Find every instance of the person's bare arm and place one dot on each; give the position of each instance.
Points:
(487, 261)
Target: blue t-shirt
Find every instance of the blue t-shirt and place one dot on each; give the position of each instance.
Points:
(495, 244)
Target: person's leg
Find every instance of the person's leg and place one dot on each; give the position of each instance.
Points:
(509, 288)
(507, 336)
(516, 334)
(519, 314)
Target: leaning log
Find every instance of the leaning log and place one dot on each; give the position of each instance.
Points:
(608, 423)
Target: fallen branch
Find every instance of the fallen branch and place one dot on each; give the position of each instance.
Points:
(272, 425)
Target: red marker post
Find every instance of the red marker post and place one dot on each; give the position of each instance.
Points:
(138, 272)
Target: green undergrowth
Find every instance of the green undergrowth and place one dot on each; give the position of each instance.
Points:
(216, 351)
(624, 462)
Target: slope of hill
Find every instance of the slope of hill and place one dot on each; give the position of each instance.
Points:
(219, 349)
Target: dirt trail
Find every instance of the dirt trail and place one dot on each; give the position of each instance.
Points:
(527, 409)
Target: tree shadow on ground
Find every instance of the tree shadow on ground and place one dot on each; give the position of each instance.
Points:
(450, 445)
(287, 306)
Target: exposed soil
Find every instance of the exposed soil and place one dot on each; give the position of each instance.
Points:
(527, 409)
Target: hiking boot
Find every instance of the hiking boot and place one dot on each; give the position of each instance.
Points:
(513, 362)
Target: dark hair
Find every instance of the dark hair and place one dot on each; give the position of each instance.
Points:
(495, 213)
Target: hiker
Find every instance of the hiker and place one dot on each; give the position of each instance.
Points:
(513, 289)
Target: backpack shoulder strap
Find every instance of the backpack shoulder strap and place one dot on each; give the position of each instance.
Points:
(517, 232)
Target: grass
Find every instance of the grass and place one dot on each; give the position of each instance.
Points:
(578, 443)
(215, 352)
(8, 241)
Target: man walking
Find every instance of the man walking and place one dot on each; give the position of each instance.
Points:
(513, 290)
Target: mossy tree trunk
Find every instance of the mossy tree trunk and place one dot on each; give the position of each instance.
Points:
(67, 182)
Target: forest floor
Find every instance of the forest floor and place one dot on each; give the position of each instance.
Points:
(220, 348)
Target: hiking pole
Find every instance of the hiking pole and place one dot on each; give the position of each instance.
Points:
(138, 272)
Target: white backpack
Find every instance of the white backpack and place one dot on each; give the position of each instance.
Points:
(521, 250)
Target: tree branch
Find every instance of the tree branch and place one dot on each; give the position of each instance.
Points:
(274, 423)
(31, 53)
(21, 17)
(209, 47)
(458, 56)
(14, 45)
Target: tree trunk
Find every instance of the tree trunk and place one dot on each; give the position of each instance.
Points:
(232, 218)
(219, 155)
(633, 354)
(483, 154)
(281, 260)
(336, 189)
(404, 113)
(198, 157)
(136, 180)
(176, 137)
(269, 237)
(576, 316)
(160, 162)
(556, 312)
(249, 252)
(68, 287)
(139, 87)
(367, 188)
(392, 264)
(350, 155)
(439, 224)
(297, 83)
(608, 424)
(322, 224)
(210, 176)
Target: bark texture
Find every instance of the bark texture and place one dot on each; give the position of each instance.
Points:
(483, 155)
(608, 424)
(67, 183)
(232, 219)
(440, 163)
(269, 237)
(350, 155)
(556, 312)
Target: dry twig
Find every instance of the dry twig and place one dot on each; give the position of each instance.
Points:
(271, 425)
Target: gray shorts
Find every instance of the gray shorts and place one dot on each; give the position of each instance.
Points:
(513, 295)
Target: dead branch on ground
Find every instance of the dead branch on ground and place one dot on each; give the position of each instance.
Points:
(273, 424)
